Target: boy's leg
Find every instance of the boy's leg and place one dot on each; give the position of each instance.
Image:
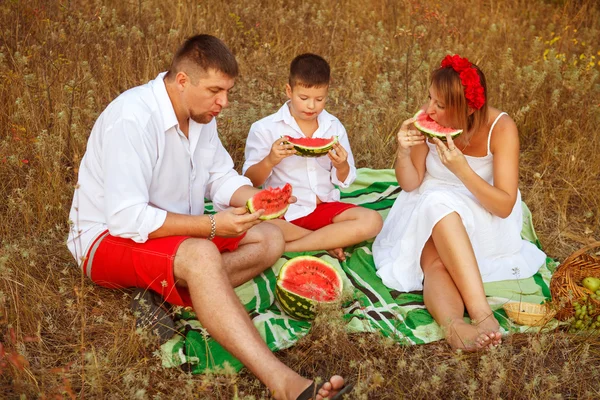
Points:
(350, 227)
(293, 232)
(290, 231)
(199, 263)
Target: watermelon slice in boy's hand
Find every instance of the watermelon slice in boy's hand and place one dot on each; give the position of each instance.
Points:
(430, 128)
(311, 147)
(275, 202)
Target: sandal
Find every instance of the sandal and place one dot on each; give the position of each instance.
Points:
(152, 313)
(311, 391)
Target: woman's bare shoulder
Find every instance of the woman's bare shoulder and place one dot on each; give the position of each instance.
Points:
(504, 132)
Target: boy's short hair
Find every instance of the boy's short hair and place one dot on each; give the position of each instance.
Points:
(309, 70)
(200, 53)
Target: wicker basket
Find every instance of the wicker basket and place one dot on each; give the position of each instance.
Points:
(529, 313)
(565, 284)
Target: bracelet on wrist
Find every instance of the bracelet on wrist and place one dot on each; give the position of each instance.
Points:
(213, 227)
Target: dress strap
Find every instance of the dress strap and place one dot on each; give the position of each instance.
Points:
(492, 128)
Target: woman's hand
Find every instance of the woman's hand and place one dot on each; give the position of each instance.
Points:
(280, 150)
(408, 137)
(451, 156)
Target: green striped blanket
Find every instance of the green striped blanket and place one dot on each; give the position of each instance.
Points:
(372, 306)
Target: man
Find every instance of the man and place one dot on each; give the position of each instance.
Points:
(137, 213)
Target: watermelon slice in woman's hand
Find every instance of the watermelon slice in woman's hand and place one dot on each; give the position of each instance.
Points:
(430, 128)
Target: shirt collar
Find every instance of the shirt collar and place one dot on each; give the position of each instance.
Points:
(324, 118)
(164, 102)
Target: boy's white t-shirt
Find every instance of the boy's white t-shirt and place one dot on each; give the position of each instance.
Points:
(309, 176)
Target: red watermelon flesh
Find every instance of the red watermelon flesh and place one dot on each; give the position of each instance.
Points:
(273, 200)
(310, 280)
(310, 142)
(311, 147)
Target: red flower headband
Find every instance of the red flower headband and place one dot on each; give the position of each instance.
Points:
(469, 78)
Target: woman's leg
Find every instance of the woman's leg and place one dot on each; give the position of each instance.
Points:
(445, 304)
(449, 256)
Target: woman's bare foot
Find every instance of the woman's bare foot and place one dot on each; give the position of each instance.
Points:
(327, 390)
(488, 323)
(467, 337)
(337, 253)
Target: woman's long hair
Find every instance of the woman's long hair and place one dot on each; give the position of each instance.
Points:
(446, 82)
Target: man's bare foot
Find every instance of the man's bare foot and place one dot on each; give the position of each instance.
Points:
(463, 336)
(488, 323)
(337, 253)
(327, 390)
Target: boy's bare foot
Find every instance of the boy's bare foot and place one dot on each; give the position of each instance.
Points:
(488, 323)
(467, 337)
(337, 253)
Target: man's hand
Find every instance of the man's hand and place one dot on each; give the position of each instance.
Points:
(235, 221)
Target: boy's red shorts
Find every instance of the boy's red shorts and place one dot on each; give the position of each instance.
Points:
(118, 263)
(323, 215)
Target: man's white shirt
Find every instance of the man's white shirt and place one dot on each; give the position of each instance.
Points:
(310, 177)
(138, 165)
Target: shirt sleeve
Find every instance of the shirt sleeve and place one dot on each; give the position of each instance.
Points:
(343, 139)
(223, 179)
(258, 146)
(127, 164)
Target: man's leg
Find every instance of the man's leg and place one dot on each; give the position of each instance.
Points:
(258, 250)
(201, 266)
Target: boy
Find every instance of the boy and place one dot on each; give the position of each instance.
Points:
(318, 220)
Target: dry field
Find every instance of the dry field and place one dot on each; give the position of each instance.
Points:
(62, 62)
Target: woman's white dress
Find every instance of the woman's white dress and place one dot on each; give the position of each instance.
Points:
(499, 249)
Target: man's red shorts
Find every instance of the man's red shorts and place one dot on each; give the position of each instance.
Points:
(323, 215)
(116, 262)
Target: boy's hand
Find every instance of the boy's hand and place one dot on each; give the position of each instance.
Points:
(338, 156)
(280, 150)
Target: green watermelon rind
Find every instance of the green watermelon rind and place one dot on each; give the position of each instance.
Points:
(305, 151)
(432, 134)
(265, 217)
(295, 305)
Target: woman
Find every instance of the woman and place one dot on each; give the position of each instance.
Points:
(458, 220)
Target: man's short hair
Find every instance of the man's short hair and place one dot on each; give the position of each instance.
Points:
(309, 70)
(200, 53)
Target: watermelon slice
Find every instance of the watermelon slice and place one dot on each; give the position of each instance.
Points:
(430, 128)
(273, 200)
(305, 282)
(311, 147)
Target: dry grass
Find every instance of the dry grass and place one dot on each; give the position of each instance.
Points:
(61, 63)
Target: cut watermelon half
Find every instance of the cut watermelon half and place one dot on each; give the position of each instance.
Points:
(311, 147)
(430, 128)
(305, 282)
(273, 200)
